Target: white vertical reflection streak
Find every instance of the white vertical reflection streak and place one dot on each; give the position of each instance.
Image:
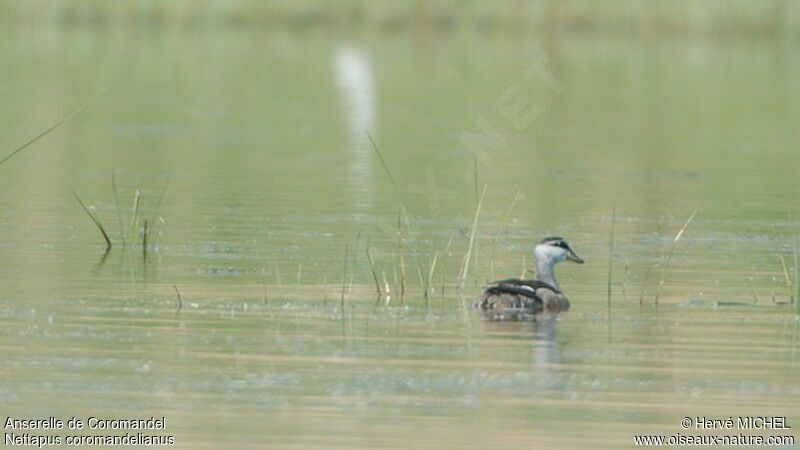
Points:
(545, 350)
(356, 82)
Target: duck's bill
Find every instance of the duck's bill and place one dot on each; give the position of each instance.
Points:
(574, 257)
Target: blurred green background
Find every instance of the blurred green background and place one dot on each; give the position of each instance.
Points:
(731, 17)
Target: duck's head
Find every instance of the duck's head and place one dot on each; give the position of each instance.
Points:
(556, 249)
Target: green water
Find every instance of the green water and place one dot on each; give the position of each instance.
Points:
(272, 191)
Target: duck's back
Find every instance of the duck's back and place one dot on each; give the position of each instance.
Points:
(523, 296)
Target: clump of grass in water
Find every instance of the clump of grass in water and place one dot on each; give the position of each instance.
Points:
(669, 255)
(128, 235)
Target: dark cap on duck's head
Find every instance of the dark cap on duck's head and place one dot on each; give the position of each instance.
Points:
(557, 241)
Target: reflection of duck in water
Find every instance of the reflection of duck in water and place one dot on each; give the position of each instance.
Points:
(540, 333)
(513, 297)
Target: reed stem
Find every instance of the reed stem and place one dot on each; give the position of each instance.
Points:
(386, 169)
(372, 268)
(431, 270)
(51, 128)
(473, 230)
(96, 221)
(179, 300)
(671, 252)
(134, 215)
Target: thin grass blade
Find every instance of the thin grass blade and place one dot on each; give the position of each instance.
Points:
(51, 128)
(95, 220)
(470, 246)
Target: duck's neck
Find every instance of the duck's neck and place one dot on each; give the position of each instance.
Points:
(545, 270)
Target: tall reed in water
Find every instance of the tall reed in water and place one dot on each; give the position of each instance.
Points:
(671, 252)
(471, 244)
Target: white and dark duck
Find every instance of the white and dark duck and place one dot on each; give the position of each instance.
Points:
(513, 297)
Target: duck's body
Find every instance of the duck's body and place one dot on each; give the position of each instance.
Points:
(514, 294)
(513, 297)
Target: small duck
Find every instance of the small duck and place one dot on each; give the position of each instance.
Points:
(514, 296)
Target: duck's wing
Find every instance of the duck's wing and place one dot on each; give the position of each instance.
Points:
(517, 283)
(514, 293)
